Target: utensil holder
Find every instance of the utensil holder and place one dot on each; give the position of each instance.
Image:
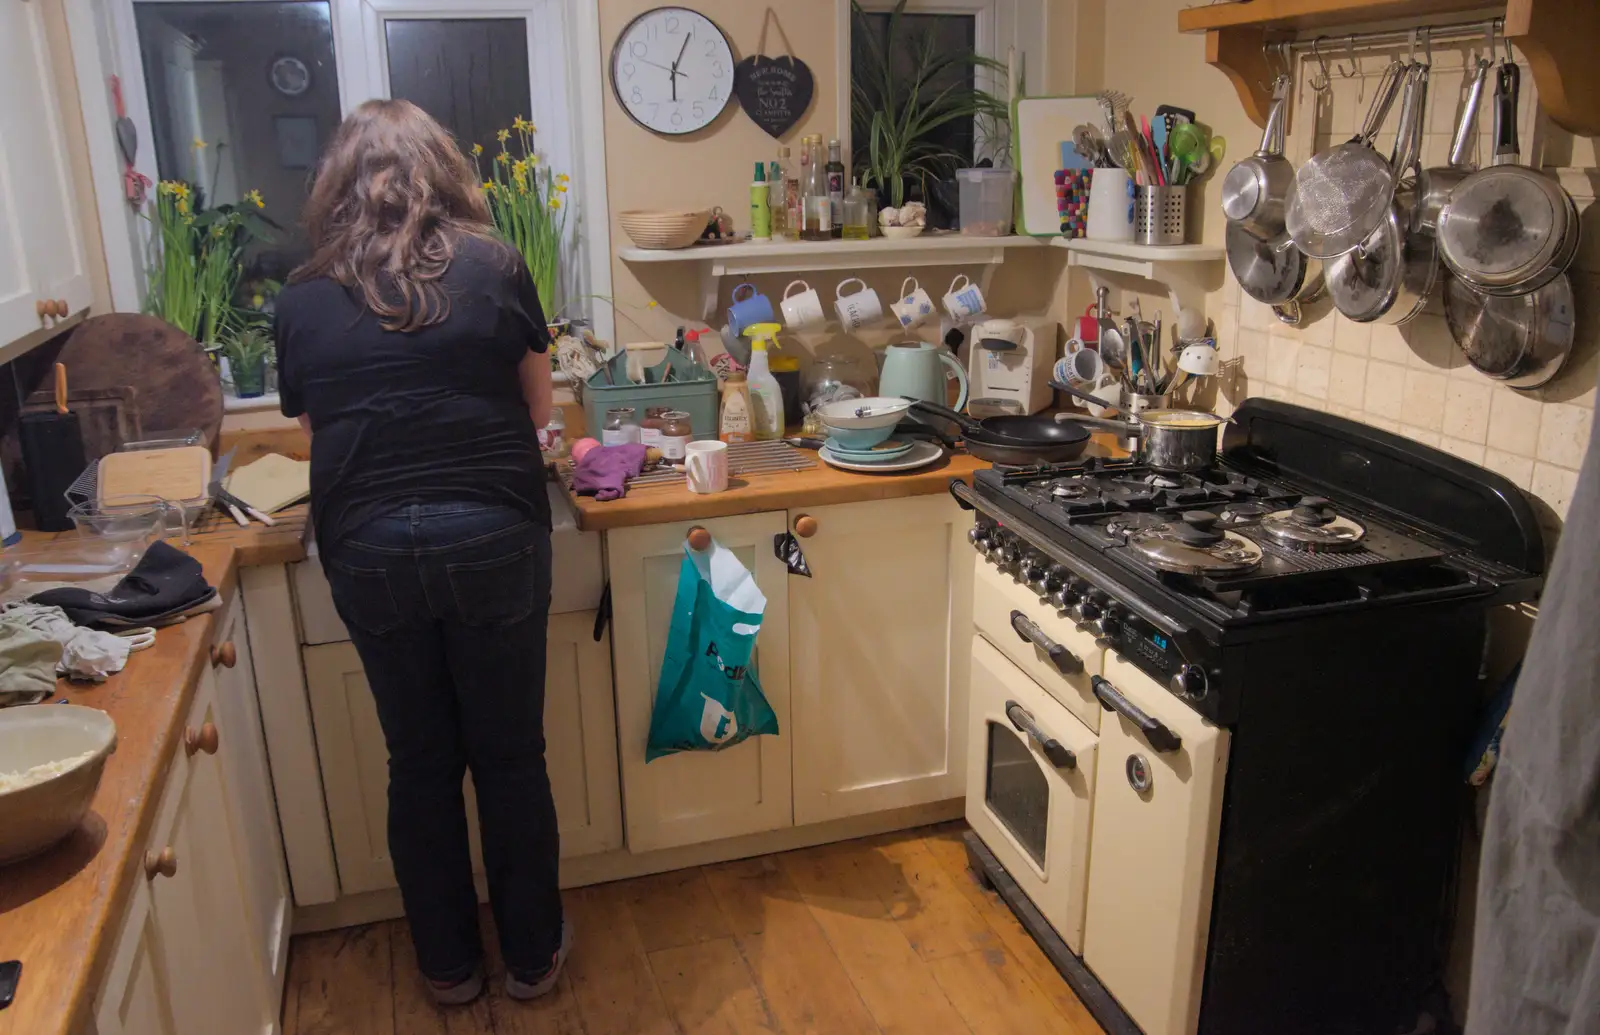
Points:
(1161, 215)
(1109, 216)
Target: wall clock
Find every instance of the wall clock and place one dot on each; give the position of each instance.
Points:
(290, 76)
(672, 71)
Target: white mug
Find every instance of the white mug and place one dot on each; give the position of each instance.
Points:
(1108, 389)
(1199, 358)
(858, 308)
(1110, 215)
(1081, 367)
(802, 309)
(915, 305)
(705, 466)
(963, 301)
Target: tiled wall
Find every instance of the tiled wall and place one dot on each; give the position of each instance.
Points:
(1412, 379)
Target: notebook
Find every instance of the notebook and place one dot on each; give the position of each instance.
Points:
(271, 483)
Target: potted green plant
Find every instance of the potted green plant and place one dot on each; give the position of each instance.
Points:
(905, 88)
(194, 265)
(247, 348)
(529, 204)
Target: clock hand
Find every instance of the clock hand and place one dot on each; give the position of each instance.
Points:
(653, 64)
(681, 51)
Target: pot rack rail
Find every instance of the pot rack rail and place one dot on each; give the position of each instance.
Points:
(1250, 42)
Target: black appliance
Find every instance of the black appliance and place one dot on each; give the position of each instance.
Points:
(1347, 671)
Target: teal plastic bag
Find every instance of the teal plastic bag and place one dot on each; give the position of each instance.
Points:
(708, 697)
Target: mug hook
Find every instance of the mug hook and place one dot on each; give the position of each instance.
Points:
(1322, 80)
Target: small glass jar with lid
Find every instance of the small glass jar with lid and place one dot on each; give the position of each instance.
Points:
(677, 432)
(621, 426)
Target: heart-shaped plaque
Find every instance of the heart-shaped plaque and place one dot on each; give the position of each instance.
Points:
(774, 92)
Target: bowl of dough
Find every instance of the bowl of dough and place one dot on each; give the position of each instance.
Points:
(51, 758)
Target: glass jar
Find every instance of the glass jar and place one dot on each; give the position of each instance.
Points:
(552, 437)
(677, 431)
(857, 214)
(621, 427)
(650, 428)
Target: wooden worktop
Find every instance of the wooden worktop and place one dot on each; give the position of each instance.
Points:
(60, 911)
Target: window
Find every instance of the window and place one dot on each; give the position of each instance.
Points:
(470, 73)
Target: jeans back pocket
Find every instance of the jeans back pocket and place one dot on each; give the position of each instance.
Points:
(498, 591)
(363, 597)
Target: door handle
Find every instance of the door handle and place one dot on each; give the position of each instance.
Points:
(1155, 731)
(1060, 756)
(1066, 662)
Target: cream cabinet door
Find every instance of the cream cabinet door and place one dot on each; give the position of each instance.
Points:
(1152, 856)
(694, 796)
(135, 997)
(580, 753)
(41, 243)
(253, 814)
(882, 639)
(202, 924)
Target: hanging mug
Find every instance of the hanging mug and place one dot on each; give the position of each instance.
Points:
(963, 301)
(915, 304)
(858, 308)
(749, 308)
(802, 310)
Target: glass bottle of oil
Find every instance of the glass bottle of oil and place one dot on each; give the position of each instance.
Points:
(857, 213)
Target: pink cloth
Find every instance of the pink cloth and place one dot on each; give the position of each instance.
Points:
(603, 473)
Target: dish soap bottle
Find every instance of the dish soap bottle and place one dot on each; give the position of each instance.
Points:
(735, 425)
(766, 398)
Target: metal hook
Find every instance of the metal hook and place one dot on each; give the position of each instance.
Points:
(1411, 49)
(1350, 46)
(1321, 81)
(1506, 40)
(1427, 46)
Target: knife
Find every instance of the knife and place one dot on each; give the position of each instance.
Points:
(219, 471)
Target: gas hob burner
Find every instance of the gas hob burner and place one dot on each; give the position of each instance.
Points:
(1194, 544)
(1124, 525)
(1314, 526)
(1236, 515)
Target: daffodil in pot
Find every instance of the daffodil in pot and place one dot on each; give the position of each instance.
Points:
(528, 201)
(194, 265)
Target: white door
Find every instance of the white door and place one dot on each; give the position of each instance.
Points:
(42, 256)
(253, 814)
(1152, 859)
(580, 725)
(881, 633)
(693, 796)
(1031, 769)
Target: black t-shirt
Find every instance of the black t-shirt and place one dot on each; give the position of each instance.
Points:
(434, 415)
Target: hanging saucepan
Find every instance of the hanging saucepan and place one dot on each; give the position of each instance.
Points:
(1339, 195)
(1274, 272)
(1507, 229)
(1013, 439)
(1435, 185)
(1256, 189)
(1390, 276)
(1523, 340)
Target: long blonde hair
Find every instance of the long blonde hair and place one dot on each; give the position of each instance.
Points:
(393, 196)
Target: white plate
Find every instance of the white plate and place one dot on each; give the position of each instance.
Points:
(921, 455)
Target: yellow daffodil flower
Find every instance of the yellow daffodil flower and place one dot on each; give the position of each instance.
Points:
(254, 197)
(180, 189)
(555, 203)
(477, 149)
(503, 135)
(198, 144)
(257, 301)
(561, 188)
(503, 158)
(563, 178)
(519, 124)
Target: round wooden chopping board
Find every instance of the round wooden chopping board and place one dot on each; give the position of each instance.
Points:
(175, 384)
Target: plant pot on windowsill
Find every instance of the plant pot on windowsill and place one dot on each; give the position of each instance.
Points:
(250, 378)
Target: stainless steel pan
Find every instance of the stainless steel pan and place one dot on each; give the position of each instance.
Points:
(1275, 272)
(1435, 185)
(1390, 276)
(1256, 190)
(1507, 230)
(1523, 340)
(1339, 195)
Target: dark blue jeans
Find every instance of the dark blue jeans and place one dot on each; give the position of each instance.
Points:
(447, 606)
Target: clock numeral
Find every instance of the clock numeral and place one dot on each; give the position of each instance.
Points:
(716, 70)
(629, 68)
(672, 25)
(638, 48)
(711, 48)
(716, 94)
(655, 108)
(638, 97)
(677, 118)
(699, 110)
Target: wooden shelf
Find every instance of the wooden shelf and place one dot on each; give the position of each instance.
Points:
(1179, 268)
(1556, 36)
(812, 256)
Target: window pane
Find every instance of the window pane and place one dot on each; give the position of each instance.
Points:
(257, 83)
(469, 73)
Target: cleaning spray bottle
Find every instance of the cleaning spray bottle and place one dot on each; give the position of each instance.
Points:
(766, 399)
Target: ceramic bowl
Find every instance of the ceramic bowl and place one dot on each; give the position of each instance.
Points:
(877, 411)
(36, 815)
(900, 233)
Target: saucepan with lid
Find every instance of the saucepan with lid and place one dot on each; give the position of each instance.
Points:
(1173, 441)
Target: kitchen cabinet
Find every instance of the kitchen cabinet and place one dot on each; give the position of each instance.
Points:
(695, 796)
(580, 752)
(1152, 856)
(184, 963)
(880, 641)
(44, 273)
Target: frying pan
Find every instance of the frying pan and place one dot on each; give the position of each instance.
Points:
(1014, 439)
(1434, 185)
(1254, 190)
(1277, 273)
(1523, 340)
(1507, 230)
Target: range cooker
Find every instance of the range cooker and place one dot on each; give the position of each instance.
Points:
(1218, 720)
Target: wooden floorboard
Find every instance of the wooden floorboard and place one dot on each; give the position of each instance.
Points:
(881, 936)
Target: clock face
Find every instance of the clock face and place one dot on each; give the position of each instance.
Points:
(290, 76)
(672, 70)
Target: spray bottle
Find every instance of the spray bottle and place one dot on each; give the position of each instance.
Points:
(766, 399)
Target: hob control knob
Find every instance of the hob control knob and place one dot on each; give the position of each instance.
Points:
(1088, 609)
(1073, 592)
(978, 536)
(1111, 621)
(1056, 577)
(1033, 572)
(1190, 681)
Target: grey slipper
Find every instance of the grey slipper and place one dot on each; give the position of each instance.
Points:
(516, 988)
(463, 991)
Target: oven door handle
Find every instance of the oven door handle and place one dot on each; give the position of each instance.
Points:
(1066, 662)
(1060, 756)
(1155, 731)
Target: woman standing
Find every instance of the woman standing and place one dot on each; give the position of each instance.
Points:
(411, 344)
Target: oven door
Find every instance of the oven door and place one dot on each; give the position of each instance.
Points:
(1030, 784)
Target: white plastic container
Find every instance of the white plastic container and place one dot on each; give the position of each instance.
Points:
(985, 201)
(766, 399)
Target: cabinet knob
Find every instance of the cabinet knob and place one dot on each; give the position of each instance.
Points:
(44, 307)
(61, 308)
(224, 654)
(699, 538)
(161, 864)
(805, 526)
(203, 739)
